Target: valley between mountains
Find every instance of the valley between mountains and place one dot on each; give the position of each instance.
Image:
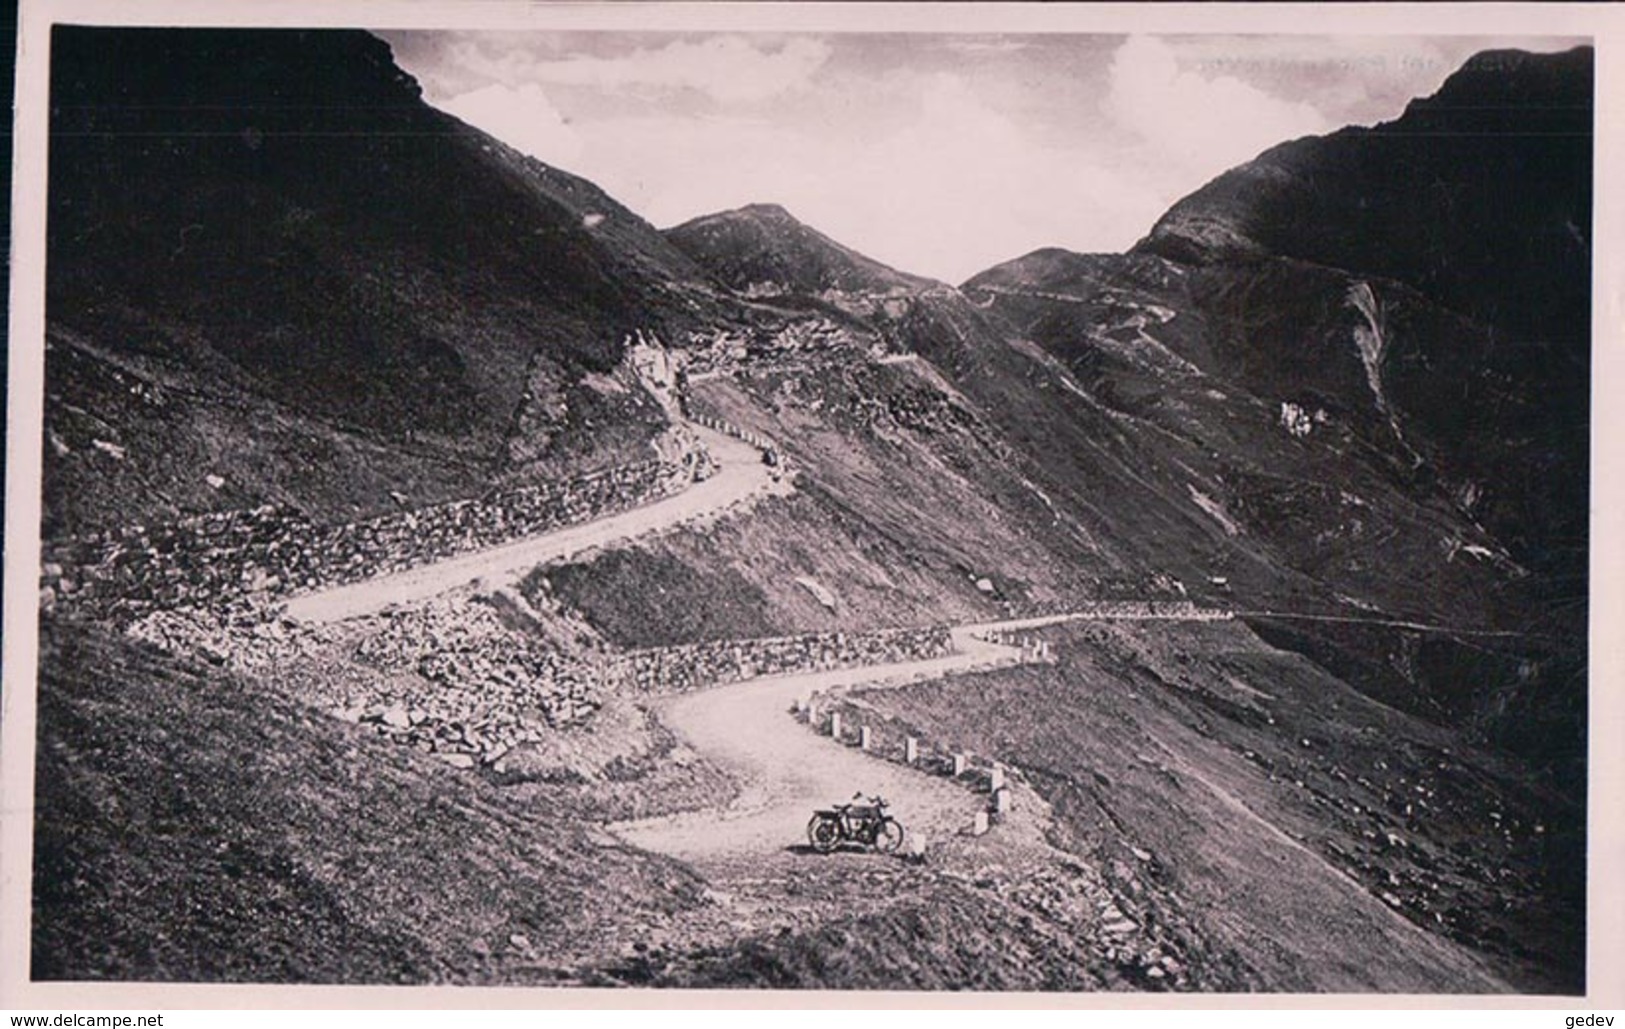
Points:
(451, 578)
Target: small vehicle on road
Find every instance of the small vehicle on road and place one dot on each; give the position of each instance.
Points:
(866, 824)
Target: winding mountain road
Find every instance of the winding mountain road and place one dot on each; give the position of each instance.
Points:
(741, 475)
(786, 769)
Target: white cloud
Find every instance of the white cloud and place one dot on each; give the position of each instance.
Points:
(940, 172)
(1207, 124)
(729, 69)
(523, 117)
(959, 187)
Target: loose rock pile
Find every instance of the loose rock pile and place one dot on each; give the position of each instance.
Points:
(249, 643)
(472, 679)
(1082, 903)
(454, 679)
(726, 352)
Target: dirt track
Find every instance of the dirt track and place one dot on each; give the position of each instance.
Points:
(741, 476)
(786, 769)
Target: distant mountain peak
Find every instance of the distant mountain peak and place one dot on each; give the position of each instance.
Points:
(768, 210)
(1516, 78)
(762, 247)
(1502, 125)
(767, 214)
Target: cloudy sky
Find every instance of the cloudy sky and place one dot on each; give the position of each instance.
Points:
(938, 154)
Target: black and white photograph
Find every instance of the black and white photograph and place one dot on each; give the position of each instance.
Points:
(905, 506)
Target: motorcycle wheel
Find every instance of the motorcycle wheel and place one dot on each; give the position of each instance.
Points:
(889, 838)
(823, 833)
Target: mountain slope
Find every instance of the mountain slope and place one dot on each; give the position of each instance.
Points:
(1476, 201)
(194, 827)
(1502, 149)
(1408, 306)
(275, 221)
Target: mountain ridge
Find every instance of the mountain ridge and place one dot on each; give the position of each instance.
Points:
(399, 296)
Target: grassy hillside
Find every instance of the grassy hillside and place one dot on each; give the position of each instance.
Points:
(1322, 840)
(274, 224)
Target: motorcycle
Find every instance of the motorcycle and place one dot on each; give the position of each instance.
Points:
(866, 824)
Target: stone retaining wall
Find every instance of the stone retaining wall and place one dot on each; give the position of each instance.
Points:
(269, 552)
(1167, 610)
(702, 665)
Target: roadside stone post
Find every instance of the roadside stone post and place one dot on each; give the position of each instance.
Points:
(835, 725)
(978, 825)
(916, 847)
(911, 750)
(958, 765)
(863, 737)
(995, 778)
(1001, 801)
